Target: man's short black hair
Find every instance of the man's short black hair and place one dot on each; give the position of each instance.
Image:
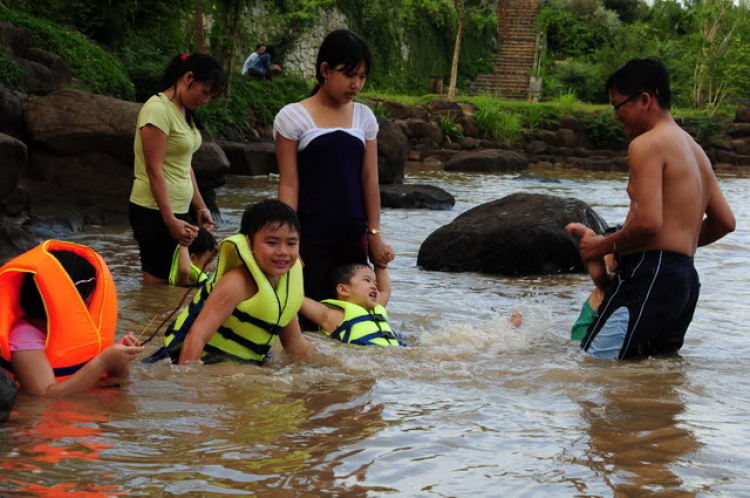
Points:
(269, 212)
(640, 75)
(259, 45)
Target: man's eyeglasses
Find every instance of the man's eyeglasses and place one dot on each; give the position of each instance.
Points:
(616, 107)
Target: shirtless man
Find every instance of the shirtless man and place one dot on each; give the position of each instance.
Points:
(676, 206)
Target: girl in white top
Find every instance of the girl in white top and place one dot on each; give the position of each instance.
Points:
(327, 153)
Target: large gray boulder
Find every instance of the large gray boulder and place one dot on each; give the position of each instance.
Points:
(416, 197)
(521, 234)
(488, 161)
(16, 39)
(393, 150)
(251, 159)
(82, 157)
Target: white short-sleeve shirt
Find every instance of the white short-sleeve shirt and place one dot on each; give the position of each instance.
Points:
(294, 122)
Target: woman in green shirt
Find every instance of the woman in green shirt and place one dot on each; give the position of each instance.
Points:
(166, 138)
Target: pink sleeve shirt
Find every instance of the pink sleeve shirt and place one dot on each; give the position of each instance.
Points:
(24, 336)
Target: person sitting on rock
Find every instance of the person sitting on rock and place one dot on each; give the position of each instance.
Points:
(58, 315)
(602, 272)
(252, 299)
(191, 263)
(357, 315)
(261, 66)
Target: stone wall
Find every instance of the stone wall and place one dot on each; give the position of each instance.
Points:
(300, 58)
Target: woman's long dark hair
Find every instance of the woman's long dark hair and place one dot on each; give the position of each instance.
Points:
(205, 69)
(342, 47)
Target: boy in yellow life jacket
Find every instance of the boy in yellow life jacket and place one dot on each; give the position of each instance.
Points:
(191, 264)
(358, 315)
(252, 299)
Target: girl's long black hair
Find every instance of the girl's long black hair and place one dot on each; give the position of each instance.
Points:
(205, 69)
(342, 47)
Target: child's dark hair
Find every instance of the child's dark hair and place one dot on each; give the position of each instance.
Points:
(203, 242)
(342, 47)
(205, 69)
(640, 75)
(259, 45)
(269, 212)
(345, 273)
(81, 272)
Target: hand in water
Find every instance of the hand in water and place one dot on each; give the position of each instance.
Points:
(182, 231)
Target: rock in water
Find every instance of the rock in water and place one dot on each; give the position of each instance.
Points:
(521, 234)
(416, 197)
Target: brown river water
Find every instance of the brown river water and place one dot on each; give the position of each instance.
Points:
(472, 408)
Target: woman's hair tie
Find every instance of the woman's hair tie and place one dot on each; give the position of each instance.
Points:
(184, 57)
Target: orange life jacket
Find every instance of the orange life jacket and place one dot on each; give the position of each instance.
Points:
(75, 333)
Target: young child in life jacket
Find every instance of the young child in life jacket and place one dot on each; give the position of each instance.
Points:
(252, 299)
(602, 272)
(191, 264)
(357, 315)
(33, 354)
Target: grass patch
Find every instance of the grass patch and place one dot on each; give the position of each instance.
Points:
(96, 69)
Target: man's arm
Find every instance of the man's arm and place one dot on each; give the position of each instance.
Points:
(323, 316)
(719, 219)
(235, 286)
(646, 216)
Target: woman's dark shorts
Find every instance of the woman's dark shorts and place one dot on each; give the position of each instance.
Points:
(155, 243)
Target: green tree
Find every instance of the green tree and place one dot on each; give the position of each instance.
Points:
(721, 66)
(462, 13)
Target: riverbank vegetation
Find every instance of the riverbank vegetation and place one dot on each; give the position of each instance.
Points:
(120, 48)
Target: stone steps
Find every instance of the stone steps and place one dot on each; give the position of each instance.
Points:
(513, 62)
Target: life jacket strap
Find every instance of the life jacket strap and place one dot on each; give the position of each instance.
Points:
(271, 328)
(59, 372)
(215, 355)
(194, 310)
(346, 327)
(230, 335)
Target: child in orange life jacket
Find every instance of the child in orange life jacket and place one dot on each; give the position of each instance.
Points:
(602, 272)
(28, 337)
(191, 264)
(357, 316)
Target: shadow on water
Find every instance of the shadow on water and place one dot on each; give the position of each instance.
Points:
(636, 436)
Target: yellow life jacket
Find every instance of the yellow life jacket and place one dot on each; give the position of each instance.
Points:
(197, 276)
(364, 327)
(75, 332)
(248, 333)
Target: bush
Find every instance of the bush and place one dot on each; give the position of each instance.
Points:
(603, 130)
(499, 125)
(97, 70)
(253, 102)
(451, 129)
